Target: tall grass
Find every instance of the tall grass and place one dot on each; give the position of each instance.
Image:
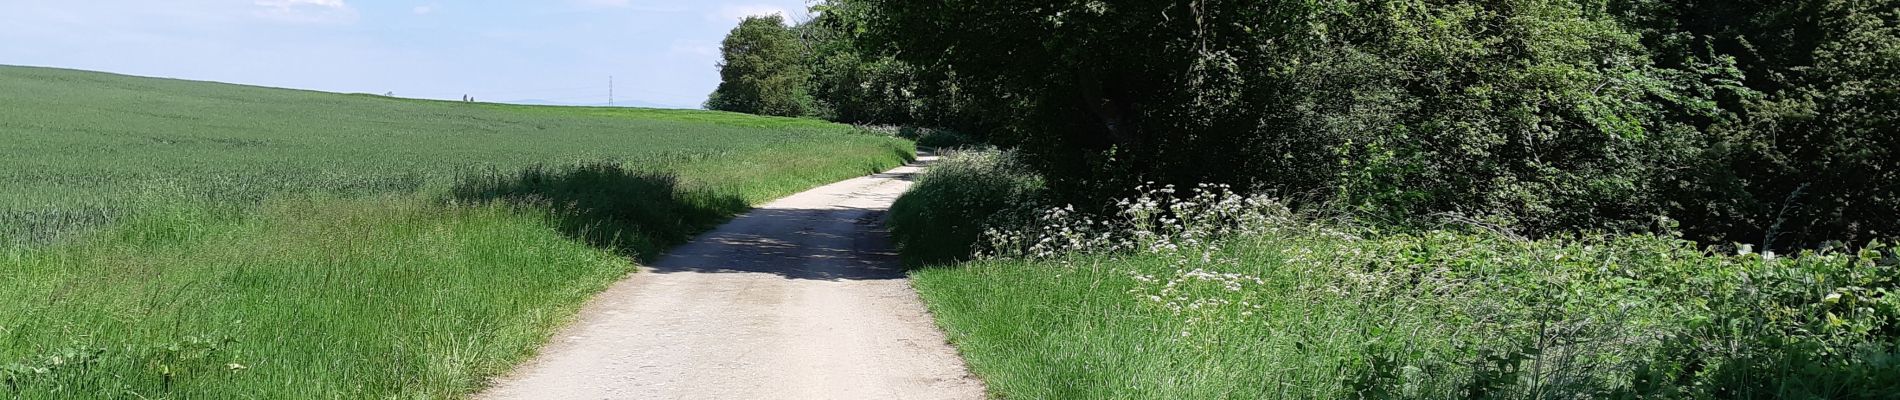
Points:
(1201, 293)
(193, 240)
(306, 299)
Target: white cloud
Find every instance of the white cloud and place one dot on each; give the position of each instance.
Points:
(734, 13)
(308, 11)
(424, 10)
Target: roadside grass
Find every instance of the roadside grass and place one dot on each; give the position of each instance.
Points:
(308, 299)
(1203, 294)
(1426, 317)
(171, 239)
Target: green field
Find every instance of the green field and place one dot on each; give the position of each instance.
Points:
(175, 239)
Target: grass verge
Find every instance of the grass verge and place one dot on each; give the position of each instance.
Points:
(1204, 294)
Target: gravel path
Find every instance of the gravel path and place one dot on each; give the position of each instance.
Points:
(799, 299)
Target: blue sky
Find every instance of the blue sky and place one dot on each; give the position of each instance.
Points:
(659, 52)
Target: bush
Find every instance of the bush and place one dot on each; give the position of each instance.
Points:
(943, 216)
(1224, 296)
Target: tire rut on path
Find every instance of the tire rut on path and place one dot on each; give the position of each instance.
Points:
(800, 298)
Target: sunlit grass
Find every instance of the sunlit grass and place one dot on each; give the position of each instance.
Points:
(82, 147)
(169, 239)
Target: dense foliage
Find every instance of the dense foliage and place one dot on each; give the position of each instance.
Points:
(1769, 123)
(944, 216)
(1798, 104)
(848, 76)
(763, 70)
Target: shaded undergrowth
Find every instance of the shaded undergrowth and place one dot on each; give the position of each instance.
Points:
(634, 212)
(942, 218)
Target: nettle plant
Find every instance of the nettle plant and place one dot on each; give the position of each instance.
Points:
(1202, 285)
(1155, 221)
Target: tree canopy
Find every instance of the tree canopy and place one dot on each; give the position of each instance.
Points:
(763, 70)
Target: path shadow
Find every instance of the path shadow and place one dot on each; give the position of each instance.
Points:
(907, 177)
(634, 213)
(643, 214)
(831, 244)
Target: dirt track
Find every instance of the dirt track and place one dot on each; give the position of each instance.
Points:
(801, 298)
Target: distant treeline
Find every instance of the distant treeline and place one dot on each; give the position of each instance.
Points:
(1770, 123)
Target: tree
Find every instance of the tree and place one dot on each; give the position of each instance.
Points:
(857, 78)
(1401, 108)
(1800, 117)
(1770, 123)
(763, 70)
